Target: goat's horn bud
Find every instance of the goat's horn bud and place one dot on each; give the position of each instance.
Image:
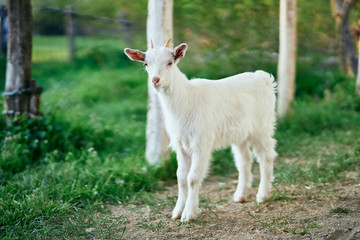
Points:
(152, 44)
(167, 44)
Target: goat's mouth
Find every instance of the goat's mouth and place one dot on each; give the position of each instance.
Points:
(157, 85)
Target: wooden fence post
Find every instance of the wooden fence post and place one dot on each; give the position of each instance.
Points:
(70, 31)
(19, 88)
(2, 39)
(125, 26)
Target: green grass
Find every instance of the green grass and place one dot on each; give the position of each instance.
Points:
(284, 224)
(340, 210)
(58, 172)
(87, 150)
(55, 49)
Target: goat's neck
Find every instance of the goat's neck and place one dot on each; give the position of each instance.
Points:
(179, 84)
(178, 93)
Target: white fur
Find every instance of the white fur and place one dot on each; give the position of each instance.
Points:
(202, 115)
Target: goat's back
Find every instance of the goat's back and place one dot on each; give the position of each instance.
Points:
(236, 108)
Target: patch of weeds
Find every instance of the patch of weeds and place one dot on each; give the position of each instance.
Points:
(155, 204)
(208, 205)
(147, 225)
(221, 201)
(304, 230)
(285, 196)
(96, 226)
(340, 210)
(267, 225)
(193, 223)
(115, 225)
(26, 141)
(283, 224)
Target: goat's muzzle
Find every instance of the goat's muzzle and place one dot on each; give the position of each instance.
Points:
(155, 81)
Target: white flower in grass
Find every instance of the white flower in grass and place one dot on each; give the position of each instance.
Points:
(89, 230)
(119, 181)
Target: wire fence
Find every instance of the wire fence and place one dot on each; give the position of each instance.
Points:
(59, 34)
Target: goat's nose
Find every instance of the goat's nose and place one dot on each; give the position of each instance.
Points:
(155, 80)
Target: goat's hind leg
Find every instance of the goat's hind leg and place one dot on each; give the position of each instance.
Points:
(265, 154)
(243, 161)
(182, 172)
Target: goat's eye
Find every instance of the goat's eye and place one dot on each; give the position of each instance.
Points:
(169, 64)
(145, 64)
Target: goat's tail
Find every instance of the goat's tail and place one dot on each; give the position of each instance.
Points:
(269, 79)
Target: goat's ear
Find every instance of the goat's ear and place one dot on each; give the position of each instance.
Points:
(179, 51)
(135, 55)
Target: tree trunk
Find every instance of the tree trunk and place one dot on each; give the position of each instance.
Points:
(159, 30)
(18, 89)
(348, 58)
(287, 56)
(358, 70)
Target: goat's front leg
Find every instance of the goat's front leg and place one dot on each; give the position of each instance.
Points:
(182, 172)
(199, 166)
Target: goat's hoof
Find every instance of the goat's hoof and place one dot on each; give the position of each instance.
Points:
(241, 195)
(186, 219)
(239, 198)
(260, 198)
(176, 215)
(188, 215)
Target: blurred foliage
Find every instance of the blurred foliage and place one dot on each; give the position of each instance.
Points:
(225, 24)
(26, 141)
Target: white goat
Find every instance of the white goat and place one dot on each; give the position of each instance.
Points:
(202, 115)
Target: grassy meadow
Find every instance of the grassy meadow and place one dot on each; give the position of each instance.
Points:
(58, 173)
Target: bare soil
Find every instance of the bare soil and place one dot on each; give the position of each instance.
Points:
(326, 211)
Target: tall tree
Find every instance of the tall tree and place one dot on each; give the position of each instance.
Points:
(357, 31)
(287, 56)
(21, 94)
(348, 59)
(159, 30)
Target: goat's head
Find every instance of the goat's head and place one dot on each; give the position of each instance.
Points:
(160, 62)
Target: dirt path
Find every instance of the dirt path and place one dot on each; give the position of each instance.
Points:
(306, 212)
